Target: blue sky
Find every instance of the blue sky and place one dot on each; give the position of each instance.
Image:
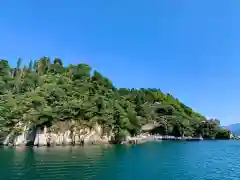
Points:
(189, 48)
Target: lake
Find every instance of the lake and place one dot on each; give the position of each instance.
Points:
(168, 160)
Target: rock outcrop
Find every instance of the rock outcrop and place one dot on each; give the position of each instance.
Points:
(20, 135)
(49, 136)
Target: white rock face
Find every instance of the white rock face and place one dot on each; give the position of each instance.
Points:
(7, 139)
(22, 139)
(67, 137)
(43, 137)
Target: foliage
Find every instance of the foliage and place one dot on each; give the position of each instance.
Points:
(45, 93)
(223, 134)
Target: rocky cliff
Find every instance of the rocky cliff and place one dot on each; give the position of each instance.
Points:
(58, 134)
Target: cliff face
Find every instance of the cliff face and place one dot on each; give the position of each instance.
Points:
(66, 136)
(24, 135)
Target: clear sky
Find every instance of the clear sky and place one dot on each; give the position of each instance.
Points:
(189, 48)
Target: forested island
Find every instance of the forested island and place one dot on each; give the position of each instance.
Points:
(47, 103)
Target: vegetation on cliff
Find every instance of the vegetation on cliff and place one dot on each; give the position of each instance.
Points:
(46, 92)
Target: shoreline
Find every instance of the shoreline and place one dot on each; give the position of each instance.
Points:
(142, 139)
(139, 141)
(131, 140)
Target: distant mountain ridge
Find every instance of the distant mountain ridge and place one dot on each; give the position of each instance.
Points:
(235, 128)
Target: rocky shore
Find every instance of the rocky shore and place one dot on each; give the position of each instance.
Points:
(50, 137)
(63, 133)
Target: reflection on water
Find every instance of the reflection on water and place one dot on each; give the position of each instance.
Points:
(53, 162)
(204, 160)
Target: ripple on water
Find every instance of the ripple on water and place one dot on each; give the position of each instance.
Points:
(203, 160)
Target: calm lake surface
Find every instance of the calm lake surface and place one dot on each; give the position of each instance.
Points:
(205, 160)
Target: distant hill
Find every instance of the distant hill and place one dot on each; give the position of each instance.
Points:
(235, 128)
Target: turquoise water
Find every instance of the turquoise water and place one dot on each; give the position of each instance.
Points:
(205, 160)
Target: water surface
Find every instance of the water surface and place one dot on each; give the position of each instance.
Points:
(205, 160)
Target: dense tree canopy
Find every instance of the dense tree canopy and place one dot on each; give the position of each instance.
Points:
(46, 92)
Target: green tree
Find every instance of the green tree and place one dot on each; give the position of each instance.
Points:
(46, 93)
